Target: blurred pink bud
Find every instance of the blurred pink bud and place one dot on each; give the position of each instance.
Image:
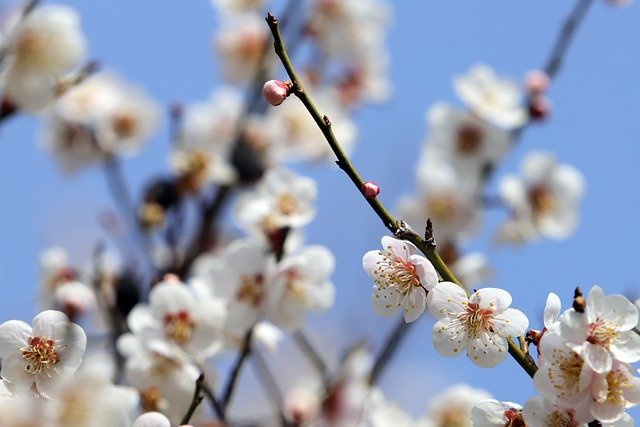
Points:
(539, 107)
(276, 91)
(370, 190)
(536, 82)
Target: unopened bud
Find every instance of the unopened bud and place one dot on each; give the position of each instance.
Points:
(370, 190)
(536, 82)
(276, 91)
(579, 304)
(539, 107)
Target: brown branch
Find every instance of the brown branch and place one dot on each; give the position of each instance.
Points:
(197, 398)
(244, 353)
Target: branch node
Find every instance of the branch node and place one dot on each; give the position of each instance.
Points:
(327, 122)
(429, 238)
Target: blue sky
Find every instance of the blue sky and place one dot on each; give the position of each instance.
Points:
(166, 48)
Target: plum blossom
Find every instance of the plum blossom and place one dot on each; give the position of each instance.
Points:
(446, 197)
(480, 324)
(453, 406)
(491, 97)
(464, 141)
(402, 278)
(541, 412)
(300, 283)
(100, 117)
(544, 201)
(604, 331)
(382, 413)
(282, 199)
(175, 314)
(40, 355)
(492, 413)
(614, 391)
(565, 377)
(206, 138)
(43, 47)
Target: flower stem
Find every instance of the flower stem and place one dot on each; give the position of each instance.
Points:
(427, 244)
(197, 398)
(235, 372)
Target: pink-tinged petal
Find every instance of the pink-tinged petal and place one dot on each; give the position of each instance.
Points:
(400, 248)
(51, 324)
(13, 336)
(596, 304)
(511, 323)
(626, 347)
(13, 371)
(488, 350)
(72, 346)
(415, 305)
(448, 340)
(494, 298)
(597, 357)
(606, 412)
(621, 312)
(385, 301)
(543, 384)
(600, 387)
(446, 299)
(574, 327)
(370, 264)
(535, 412)
(551, 309)
(425, 270)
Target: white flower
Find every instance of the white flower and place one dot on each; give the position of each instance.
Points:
(47, 44)
(480, 324)
(446, 197)
(176, 315)
(546, 197)
(472, 269)
(541, 412)
(282, 199)
(493, 98)
(614, 391)
(206, 139)
(74, 298)
(604, 331)
(565, 377)
(463, 140)
(402, 278)
(453, 405)
(41, 354)
(101, 116)
(240, 45)
(300, 283)
(383, 413)
(302, 403)
(491, 413)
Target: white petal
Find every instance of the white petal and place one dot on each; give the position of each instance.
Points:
(489, 413)
(415, 304)
(574, 326)
(626, 347)
(488, 350)
(401, 248)
(425, 270)
(621, 312)
(384, 302)
(494, 298)
(447, 340)
(446, 298)
(597, 357)
(13, 336)
(511, 323)
(551, 309)
(51, 324)
(73, 345)
(13, 370)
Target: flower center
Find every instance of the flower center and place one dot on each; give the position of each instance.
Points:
(179, 326)
(251, 289)
(560, 419)
(151, 399)
(295, 286)
(286, 204)
(541, 200)
(441, 207)
(601, 333)
(41, 354)
(566, 378)
(476, 319)
(399, 272)
(618, 383)
(469, 139)
(514, 418)
(124, 125)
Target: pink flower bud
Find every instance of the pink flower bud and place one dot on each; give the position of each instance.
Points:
(536, 82)
(370, 190)
(539, 107)
(276, 91)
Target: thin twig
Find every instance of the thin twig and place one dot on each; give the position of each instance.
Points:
(270, 386)
(197, 398)
(398, 228)
(235, 371)
(312, 355)
(568, 31)
(215, 403)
